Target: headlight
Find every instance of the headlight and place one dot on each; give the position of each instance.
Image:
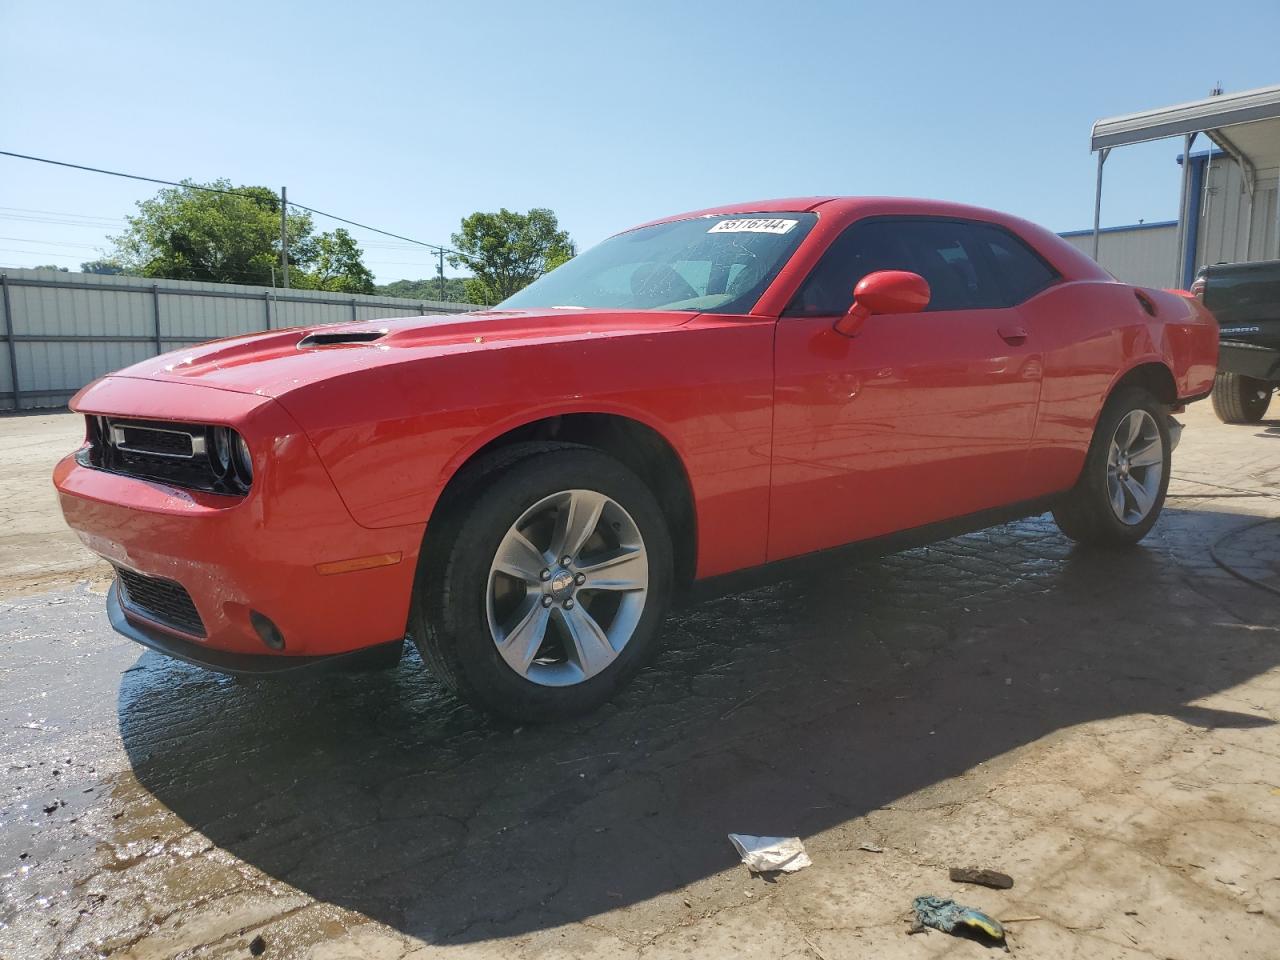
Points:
(221, 451)
(229, 458)
(244, 459)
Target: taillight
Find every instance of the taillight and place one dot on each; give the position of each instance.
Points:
(1197, 289)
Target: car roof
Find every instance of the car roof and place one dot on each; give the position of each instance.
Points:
(785, 205)
(869, 205)
(1069, 261)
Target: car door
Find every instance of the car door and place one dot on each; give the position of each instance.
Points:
(920, 417)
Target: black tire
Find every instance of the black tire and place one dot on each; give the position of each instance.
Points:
(1240, 399)
(1086, 514)
(448, 620)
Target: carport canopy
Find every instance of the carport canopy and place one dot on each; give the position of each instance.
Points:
(1245, 125)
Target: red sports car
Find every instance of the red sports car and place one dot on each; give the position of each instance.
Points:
(522, 491)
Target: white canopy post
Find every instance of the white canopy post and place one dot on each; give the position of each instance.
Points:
(1097, 201)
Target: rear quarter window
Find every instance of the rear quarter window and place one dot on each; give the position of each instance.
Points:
(1019, 271)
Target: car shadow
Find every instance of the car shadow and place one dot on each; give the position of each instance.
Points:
(1269, 426)
(788, 710)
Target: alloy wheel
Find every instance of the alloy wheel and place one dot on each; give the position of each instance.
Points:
(1135, 467)
(567, 587)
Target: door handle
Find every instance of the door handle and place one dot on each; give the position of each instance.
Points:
(1014, 336)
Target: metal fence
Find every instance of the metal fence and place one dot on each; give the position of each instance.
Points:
(59, 331)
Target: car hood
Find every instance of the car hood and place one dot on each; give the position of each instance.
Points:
(275, 362)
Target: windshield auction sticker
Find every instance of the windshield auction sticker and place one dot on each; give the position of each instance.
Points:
(760, 225)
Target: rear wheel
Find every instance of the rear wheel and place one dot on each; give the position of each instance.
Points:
(1122, 487)
(547, 591)
(1240, 399)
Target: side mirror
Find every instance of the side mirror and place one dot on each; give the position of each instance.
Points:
(885, 291)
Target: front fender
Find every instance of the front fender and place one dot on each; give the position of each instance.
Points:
(392, 437)
(545, 411)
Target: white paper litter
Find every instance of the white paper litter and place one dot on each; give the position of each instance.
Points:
(766, 854)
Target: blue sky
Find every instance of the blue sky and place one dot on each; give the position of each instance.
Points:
(409, 116)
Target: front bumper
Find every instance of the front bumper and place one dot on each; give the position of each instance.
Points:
(264, 553)
(219, 661)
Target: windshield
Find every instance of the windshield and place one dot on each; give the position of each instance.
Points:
(719, 264)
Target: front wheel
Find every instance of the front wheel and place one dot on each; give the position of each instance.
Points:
(547, 592)
(1240, 399)
(1122, 487)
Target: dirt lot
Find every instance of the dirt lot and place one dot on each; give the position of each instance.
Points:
(37, 551)
(1102, 727)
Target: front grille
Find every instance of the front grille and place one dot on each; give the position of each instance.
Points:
(163, 601)
(181, 454)
(155, 441)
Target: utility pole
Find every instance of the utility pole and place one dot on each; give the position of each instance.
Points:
(440, 272)
(284, 238)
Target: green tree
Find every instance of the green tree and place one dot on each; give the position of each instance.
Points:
(428, 288)
(104, 265)
(49, 266)
(185, 233)
(506, 251)
(335, 265)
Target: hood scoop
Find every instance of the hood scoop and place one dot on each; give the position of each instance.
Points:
(340, 337)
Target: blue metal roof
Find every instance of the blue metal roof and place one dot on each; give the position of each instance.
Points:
(1132, 226)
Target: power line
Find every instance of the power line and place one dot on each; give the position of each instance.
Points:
(233, 193)
(62, 222)
(365, 226)
(98, 247)
(129, 176)
(372, 258)
(66, 218)
(37, 253)
(61, 213)
(52, 243)
(86, 222)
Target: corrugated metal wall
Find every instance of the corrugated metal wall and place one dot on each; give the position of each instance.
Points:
(1228, 232)
(58, 331)
(1145, 254)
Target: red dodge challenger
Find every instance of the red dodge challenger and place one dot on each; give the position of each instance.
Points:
(522, 491)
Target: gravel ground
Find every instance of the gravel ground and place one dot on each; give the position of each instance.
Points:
(1102, 727)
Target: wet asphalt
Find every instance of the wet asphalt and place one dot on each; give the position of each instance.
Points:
(135, 790)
